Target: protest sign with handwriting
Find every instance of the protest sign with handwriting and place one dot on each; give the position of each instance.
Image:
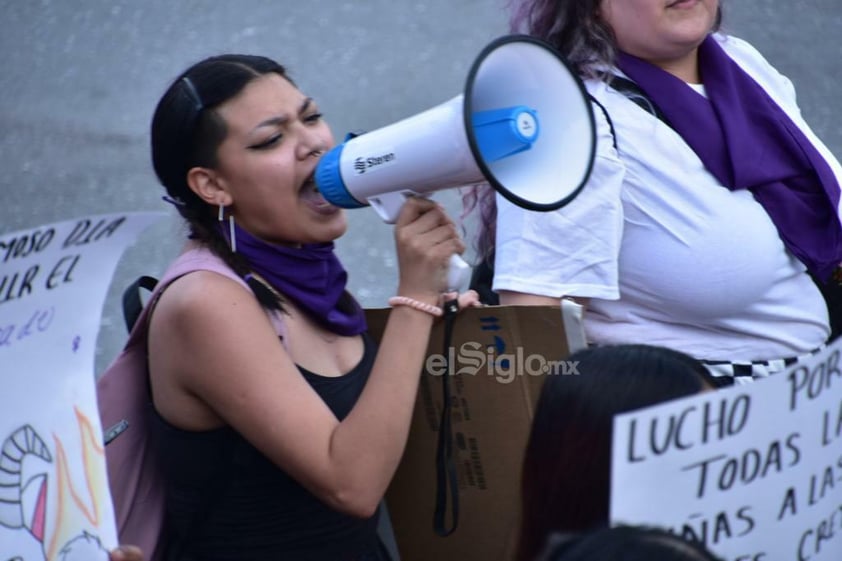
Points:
(753, 471)
(54, 498)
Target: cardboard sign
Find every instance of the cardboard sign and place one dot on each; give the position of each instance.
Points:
(753, 471)
(496, 364)
(54, 499)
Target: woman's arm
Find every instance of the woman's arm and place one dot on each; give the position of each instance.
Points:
(509, 298)
(425, 240)
(216, 345)
(570, 251)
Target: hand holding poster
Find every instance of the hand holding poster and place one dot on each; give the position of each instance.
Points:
(54, 499)
(753, 471)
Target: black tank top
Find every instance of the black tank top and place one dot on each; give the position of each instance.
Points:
(227, 501)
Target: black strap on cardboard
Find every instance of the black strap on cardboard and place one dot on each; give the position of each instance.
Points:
(445, 465)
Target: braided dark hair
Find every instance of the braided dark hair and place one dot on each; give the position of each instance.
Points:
(187, 131)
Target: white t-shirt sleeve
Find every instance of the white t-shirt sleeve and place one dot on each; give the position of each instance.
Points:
(572, 251)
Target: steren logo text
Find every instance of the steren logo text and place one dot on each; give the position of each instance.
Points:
(361, 165)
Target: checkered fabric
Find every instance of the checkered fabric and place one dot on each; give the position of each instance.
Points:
(735, 373)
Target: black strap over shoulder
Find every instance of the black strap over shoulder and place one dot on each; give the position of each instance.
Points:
(132, 300)
(633, 92)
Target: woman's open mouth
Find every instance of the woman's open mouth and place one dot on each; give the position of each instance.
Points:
(311, 196)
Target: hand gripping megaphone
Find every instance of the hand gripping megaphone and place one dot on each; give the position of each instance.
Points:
(524, 125)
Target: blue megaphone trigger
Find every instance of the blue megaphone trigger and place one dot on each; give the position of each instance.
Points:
(500, 133)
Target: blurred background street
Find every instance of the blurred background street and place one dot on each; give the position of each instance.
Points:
(80, 79)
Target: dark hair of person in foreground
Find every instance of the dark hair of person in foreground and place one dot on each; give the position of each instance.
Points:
(566, 475)
(625, 543)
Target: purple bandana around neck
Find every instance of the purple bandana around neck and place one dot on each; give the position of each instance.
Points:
(748, 142)
(311, 276)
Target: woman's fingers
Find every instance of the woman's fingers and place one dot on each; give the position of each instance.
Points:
(467, 299)
(426, 239)
(126, 553)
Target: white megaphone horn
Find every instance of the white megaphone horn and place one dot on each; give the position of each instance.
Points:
(524, 125)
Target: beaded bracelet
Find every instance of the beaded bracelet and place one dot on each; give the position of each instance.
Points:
(415, 304)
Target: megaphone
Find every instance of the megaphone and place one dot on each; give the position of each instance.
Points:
(523, 125)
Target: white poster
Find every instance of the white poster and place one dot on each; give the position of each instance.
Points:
(54, 498)
(754, 471)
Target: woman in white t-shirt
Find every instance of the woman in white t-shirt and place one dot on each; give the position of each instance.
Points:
(711, 202)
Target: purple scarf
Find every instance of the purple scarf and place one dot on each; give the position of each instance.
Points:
(747, 142)
(311, 276)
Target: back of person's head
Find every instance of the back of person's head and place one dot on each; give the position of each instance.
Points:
(187, 132)
(567, 465)
(574, 27)
(625, 543)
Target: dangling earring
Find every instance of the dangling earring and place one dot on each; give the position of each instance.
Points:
(232, 234)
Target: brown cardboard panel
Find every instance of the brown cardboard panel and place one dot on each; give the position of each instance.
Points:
(498, 360)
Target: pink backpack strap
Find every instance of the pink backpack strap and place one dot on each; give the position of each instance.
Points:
(199, 259)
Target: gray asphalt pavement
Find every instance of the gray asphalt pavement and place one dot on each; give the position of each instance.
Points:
(80, 79)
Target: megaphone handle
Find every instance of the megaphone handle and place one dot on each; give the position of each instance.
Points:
(458, 273)
(388, 205)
